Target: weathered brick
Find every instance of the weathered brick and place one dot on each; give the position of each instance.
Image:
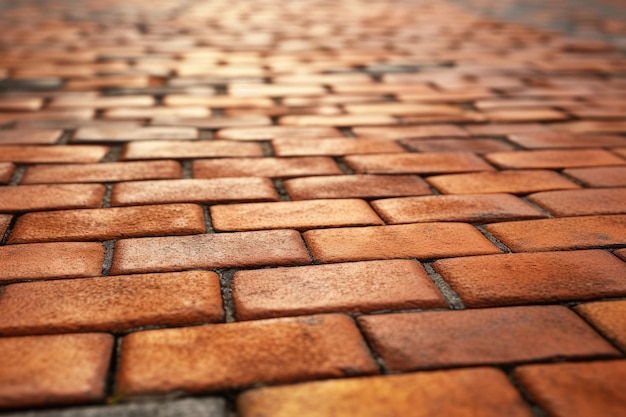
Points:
(506, 129)
(399, 109)
(218, 122)
(188, 149)
(278, 132)
(417, 163)
(75, 154)
(591, 126)
(544, 140)
(103, 102)
(49, 197)
(29, 136)
(582, 202)
(265, 167)
(565, 158)
(599, 176)
(309, 147)
(275, 90)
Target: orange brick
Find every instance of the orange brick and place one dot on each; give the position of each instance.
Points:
(306, 147)
(62, 114)
(339, 120)
(479, 208)
(479, 391)
(567, 158)
(277, 132)
(582, 202)
(265, 167)
(461, 117)
(607, 316)
(600, 176)
(53, 154)
(350, 287)
(110, 304)
(219, 190)
(355, 186)
(591, 126)
(29, 136)
(399, 109)
(558, 234)
(391, 242)
(407, 132)
(187, 149)
(275, 90)
(525, 278)
(115, 134)
(515, 182)
(134, 113)
(103, 102)
(20, 103)
(382, 88)
(6, 172)
(481, 337)
(108, 223)
(505, 129)
(179, 100)
(461, 145)
(293, 215)
(270, 351)
(330, 99)
(49, 197)
(5, 221)
(103, 172)
(524, 115)
(53, 370)
(417, 163)
(246, 249)
(218, 122)
(543, 140)
(620, 253)
(576, 389)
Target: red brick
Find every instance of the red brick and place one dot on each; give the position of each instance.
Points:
(300, 215)
(576, 389)
(339, 120)
(582, 202)
(600, 176)
(110, 304)
(543, 140)
(114, 134)
(350, 287)
(462, 145)
(49, 197)
(233, 355)
(275, 90)
(20, 103)
(442, 339)
(355, 186)
(245, 249)
(524, 115)
(53, 154)
(558, 234)
(218, 190)
(506, 129)
(459, 96)
(134, 113)
(554, 158)
(406, 132)
(103, 102)
(609, 317)
(277, 132)
(103, 172)
(108, 223)
(50, 261)
(53, 370)
(479, 208)
(188, 149)
(499, 103)
(589, 126)
(265, 167)
(422, 163)
(307, 147)
(5, 221)
(435, 240)
(516, 182)
(179, 100)
(479, 391)
(526, 278)
(29, 136)
(6, 172)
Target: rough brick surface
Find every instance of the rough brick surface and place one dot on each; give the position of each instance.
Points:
(599, 177)
(554, 159)
(187, 149)
(582, 202)
(310, 147)
(6, 172)
(5, 221)
(47, 197)
(277, 132)
(29, 137)
(426, 163)
(114, 134)
(265, 167)
(53, 154)
(609, 317)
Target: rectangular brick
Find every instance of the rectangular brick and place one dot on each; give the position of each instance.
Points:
(423, 241)
(20, 103)
(220, 102)
(64, 114)
(277, 132)
(582, 202)
(494, 129)
(265, 167)
(103, 102)
(479, 146)
(75, 154)
(599, 176)
(607, 316)
(331, 99)
(591, 126)
(400, 109)
(531, 278)
(546, 140)
(339, 120)
(134, 113)
(188, 149)
(407, 132)
(110, 304)
(50, 197)
(115, 134)
(275, 90)
(332, 147)
(270, 351)
(566, 158)
(227, 250)
(489, 336)
(7, 169)
(29, 136)
(414, 163)
(217, 122)
(525, 115)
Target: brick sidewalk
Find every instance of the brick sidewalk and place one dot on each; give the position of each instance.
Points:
(310, 208)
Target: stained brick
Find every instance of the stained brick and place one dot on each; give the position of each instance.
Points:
(114, 134)
(542, 140)
(49, 197)
(265, 167)
(271, 351)
(406, 132)
(582, 202)
(277, 132)
(525, 278)
(339, 120)
(600, 176)
(461, 145)
(308, 147)
(6, 172)
(29, 136)
(53, 154)
(554, 158)
(423, 163)
(481, 337)
(187, 149)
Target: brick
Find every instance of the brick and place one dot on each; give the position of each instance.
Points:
(7, 169)
(399, 109)
(103, 172)
(495, 129)
(108, 223)
(407, 132)
(75, 154)
(188, 149)
(265, 167)
(545, 140)
(620, 151)
(382, 88)
(607, 316)
(350, 287)
(5, 221)
(424, 163)
(218, 122)
(275, 90)
(527, 278)
(49, 197)
(221, 102)
(330, 100)
(114, 134)
(120, 81)
(489, 336)
(271, 351)
(591, 126)
(462, 117)
(524, 115)
(20, 103)
(566, 158)
(564, 233)
(576, 389)
(599, 176)
(110, 304)
(61, 114)
(277, 132)
(436, 240)
(53, 370)
(103, 102)
(300, 215)
(620, 253)
(582, 202)
(245, 249)
(478, 391)
(218, 190)
(478, 208)
(324, 79)
(515, 182)
(461, 145)
(355, 186)
(310, 147)
(133, 113)
(29, 136)
(339, 120)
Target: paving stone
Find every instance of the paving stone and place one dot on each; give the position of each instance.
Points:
(218, 122)
(569, 158)
(482, 391)
(269, 351)
(29, 136)
(576, 389)
(186, 149)
(526, 278)
(265, 167)
(423, 163)
(479, 146)
(50, 197)
(350, 287)
(6, 172)
(310, 147)
(582, 202)
(543, 140)
(489, 336)
(407, 132)
(277, 132)
(114, 134)
(600, 176)
(53, 370)
(399, 109)
(53, 154)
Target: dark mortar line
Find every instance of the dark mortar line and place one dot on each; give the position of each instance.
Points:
(186, 166)
(347, 132)
(5, 237)
(109, 246)
(575, 180)
(106, 198)
(610, 341)
(217, 112)
(226, 282)
(114, 154)
(452, 298)
(378, 360)
(205, 134)
(534, 407)
(18, 175)
(268, 149)
(342, 166)
(111, 380)
(493, 239)
(312, 260)
(65, 137)
(208, 222)
(280, 189)
(537, 207)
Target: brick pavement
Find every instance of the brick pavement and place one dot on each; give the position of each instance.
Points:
(322, 208)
